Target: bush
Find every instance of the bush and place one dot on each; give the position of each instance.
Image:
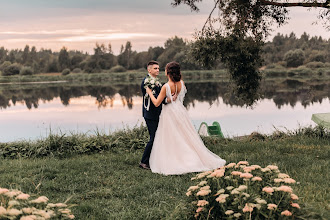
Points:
(65, 72)
(4, 65)
(12, 69)
(18, 205)
(314, 65)
(26, 70)
(241, 191)
(294, 58)
(118, 69)
(77, 70)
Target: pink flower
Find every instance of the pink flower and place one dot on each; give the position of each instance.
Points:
(296, 205)
(29, 217)
(248, 208)
(243, 163)
(283, 175)
(3, 211)
(256, 166)
(230, 165)
(199, 209)
(3, 190)
(236, 173)
(248, 169)
(267, 189)
(71, 216)
(203, 192)
(246, 175)
(284, 189)
(277, 180)
(294, 197)
(289, 180)
(256, 178)
(23, 196)
(202, 203)
(41, 199)
(271, 206)
(272, 167)
(286, 213)
(218, 173)
(221, 198)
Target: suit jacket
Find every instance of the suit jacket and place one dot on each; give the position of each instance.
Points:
(154, 111)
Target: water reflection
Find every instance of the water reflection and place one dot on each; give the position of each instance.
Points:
(281, 92)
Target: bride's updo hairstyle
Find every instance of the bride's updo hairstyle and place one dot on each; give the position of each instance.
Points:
(173, 71)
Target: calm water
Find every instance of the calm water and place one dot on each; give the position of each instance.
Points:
(32, 112)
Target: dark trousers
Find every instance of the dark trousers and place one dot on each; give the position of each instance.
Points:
(152, 128)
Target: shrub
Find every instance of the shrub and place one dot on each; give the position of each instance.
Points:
(12, 69)
(294, 58)
(314, 65)
(66, 72)
(4, 65)
(18, 205)
(77, 70)
(26, 70)
(240, 191)
(118, 69)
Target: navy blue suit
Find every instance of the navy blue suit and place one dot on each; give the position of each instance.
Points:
(152, 118)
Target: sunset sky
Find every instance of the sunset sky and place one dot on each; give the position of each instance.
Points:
(79, 24)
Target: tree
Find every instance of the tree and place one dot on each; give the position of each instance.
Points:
(294, 58)
(238, 22)
(124, 58)
(63, 59)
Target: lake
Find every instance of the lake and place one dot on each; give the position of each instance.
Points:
(33, 111)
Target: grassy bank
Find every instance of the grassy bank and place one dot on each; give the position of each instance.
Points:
(101, 175)
(130, 76)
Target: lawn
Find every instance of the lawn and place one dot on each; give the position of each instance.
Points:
(105, 182)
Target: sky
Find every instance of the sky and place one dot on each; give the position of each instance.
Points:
(80, 24)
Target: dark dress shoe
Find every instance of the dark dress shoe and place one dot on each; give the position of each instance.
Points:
(144, 166)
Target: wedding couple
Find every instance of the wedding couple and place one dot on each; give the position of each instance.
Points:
(174, 147)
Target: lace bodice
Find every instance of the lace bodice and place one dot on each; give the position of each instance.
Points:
(181, 94)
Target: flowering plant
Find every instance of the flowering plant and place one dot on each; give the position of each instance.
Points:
(241, 191)
(151, 83)
(15, 204)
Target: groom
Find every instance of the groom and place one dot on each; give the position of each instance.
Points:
(151, 114)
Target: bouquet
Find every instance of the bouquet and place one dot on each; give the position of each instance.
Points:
(150, 83)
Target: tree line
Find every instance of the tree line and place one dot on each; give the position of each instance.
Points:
(285, 50)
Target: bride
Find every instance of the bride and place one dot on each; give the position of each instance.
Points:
(177, 147)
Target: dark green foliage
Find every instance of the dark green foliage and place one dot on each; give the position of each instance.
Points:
(240, 56)
(12, 69)
(294, 58)
(65, 72)
(26, 70)
(314, 65)
(118, 69)
(64, 59)
(77, 70)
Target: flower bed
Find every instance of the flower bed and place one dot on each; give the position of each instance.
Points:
(18, 205)
(241, 191)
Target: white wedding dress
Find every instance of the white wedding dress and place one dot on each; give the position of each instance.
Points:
(177, 147)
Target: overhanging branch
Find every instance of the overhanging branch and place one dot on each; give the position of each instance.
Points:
(297, 4)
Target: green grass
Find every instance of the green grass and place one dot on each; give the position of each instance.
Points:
(107, 183)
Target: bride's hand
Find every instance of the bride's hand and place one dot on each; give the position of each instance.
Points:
(174, 96)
